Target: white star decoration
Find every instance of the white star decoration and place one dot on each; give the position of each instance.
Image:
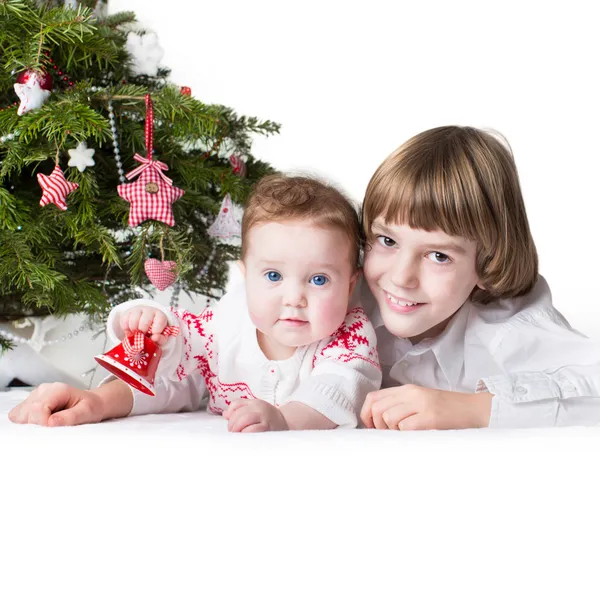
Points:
(145, 52)
(81, 157)
(30, 94)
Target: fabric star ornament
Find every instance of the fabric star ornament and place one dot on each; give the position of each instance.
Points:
(238, 166)
(33, 90)
(56, 188)
(81, 157)
(225, 225)
(152, 195)
(145, 52)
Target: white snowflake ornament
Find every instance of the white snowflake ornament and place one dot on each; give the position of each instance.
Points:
(81, 157)
(145, 52)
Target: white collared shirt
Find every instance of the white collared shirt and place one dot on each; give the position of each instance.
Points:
(540, 371)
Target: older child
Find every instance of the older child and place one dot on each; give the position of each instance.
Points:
(467, 334)
(281, 351)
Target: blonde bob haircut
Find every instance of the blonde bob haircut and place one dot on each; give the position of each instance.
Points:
(464, 182)
(285, 198)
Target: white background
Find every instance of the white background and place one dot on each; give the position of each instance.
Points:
(485, 514)
(349, 82)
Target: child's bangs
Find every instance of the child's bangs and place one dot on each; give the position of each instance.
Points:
(423, 202)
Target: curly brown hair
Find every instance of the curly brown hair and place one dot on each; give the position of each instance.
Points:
(285, 198)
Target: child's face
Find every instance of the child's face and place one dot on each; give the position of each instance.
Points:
(405, 266)
(298, 281)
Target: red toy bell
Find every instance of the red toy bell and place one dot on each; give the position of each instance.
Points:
(135, 360)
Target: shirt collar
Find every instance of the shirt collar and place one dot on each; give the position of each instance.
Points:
(448, 348)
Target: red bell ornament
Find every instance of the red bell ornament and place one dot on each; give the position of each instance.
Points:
(135, 360)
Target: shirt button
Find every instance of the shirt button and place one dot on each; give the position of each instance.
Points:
(520, 390)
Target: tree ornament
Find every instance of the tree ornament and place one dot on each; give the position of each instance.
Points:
(145, 52)
(225, 225)
(152, 195)
(81, 157)
(33, 89)
(161, 273)
(185, 91)
(238, 166)
(56, 188)
(116, 150)
(58, 73)
(136, 359)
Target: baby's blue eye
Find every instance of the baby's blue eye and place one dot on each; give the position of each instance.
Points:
(273, 276)
(319, 279)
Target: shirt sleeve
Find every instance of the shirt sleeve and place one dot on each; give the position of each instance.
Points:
(180, 377)
(550, 374)
(345, 370)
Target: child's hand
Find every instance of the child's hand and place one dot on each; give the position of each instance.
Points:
(411, 407)
(55, 404)
(248, 416)
(141, 319)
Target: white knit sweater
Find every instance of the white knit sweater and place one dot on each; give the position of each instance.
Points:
(217, 354)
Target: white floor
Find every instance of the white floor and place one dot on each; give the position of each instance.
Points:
(174, 506)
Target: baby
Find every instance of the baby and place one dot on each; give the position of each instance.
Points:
(282, 350)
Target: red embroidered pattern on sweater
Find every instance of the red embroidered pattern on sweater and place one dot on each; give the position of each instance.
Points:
(346, 340)
(221, 394)
(197, 323)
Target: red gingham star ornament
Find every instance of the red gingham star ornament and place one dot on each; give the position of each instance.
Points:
(152, 195)
(56, 188)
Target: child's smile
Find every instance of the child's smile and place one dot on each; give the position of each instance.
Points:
(402, 305)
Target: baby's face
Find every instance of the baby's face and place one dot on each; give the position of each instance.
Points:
(299, 279)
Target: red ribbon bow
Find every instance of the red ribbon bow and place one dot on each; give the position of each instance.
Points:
(134, 353)
(148, 163)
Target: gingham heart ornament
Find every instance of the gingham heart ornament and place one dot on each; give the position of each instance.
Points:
(161, 274)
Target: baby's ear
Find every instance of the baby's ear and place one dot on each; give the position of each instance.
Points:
(241, 267)
(353, 280)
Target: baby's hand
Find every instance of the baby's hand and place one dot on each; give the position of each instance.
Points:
(141, 319)
(55, 404)
(248, 416)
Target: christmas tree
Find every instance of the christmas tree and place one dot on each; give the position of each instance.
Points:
(108, 171)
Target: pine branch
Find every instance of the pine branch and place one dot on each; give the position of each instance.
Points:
(13, 212)
(59, 121)
(64, 261)
(119, 19)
